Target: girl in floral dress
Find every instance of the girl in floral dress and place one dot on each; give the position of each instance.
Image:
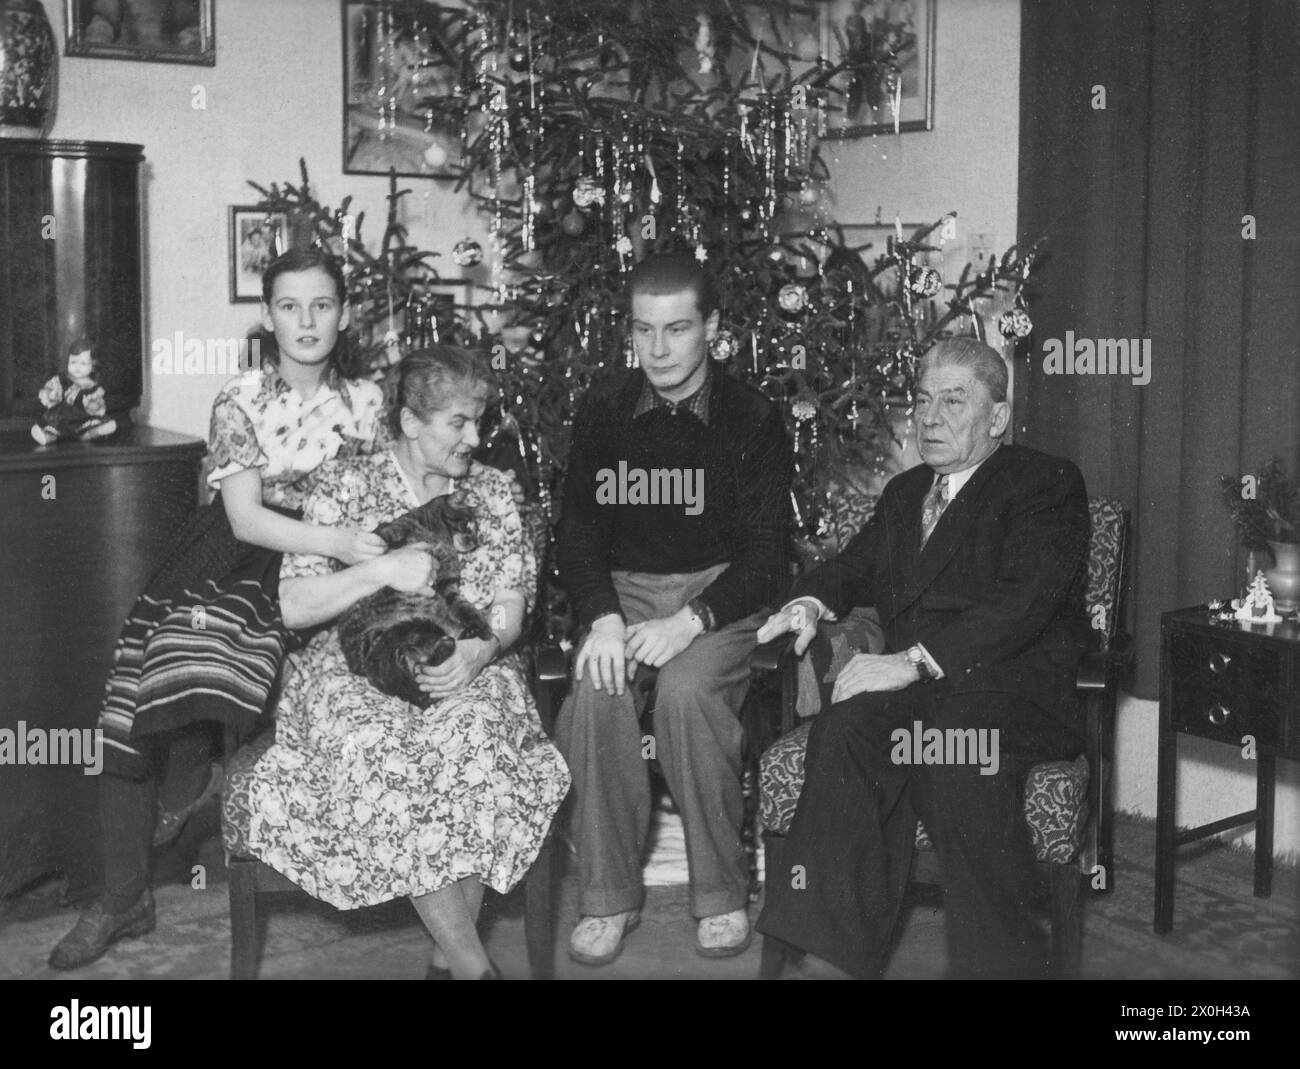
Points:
(203, 645)
(365, 797)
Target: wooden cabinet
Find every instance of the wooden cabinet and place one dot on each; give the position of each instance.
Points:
(83, 526)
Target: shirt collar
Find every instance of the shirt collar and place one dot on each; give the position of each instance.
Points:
(958, 479)
(697, 404)
(273, 383)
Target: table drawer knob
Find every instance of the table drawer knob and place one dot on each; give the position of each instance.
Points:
(1219, 663)
(1218, 714)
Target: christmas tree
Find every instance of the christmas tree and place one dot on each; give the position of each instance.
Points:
(594, 131)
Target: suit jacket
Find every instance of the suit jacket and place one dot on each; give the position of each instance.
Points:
(996, 596)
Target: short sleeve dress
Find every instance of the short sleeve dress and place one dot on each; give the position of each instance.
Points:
(205, 640)
(365, 797)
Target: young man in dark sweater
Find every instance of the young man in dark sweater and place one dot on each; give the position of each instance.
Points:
(674, 536)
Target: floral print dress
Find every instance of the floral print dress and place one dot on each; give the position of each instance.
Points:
(364, 797)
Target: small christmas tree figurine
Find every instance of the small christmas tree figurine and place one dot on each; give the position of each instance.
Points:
(1257, 605)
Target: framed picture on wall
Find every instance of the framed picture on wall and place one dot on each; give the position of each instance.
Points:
(867, 37)
(256, 238)
(401, 64)
(153, 31)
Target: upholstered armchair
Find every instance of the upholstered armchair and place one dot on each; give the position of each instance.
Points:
(1066, 803)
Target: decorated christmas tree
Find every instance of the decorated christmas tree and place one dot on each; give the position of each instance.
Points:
(593, 131)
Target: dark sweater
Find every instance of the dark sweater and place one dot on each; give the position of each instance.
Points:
(742, 516)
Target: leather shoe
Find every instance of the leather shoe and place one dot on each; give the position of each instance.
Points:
(599, 940)
(724, 935)
(169, 824)
(97, 930)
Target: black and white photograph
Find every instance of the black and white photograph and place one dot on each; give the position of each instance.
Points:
(153, 31)
(693, 490)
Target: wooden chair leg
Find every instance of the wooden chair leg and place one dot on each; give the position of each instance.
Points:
(1067, 921)
(539, 911)
(773, 957)
(245, 935)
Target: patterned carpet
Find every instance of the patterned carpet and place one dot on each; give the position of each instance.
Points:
(1220, 930)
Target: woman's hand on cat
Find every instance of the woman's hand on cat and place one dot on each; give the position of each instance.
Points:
(459, 670)
(355, 546)
(409, 569)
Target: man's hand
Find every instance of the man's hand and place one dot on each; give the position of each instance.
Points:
(874, 672)
(656, 642)
(603, 653)
(459, 670)
(800, 616)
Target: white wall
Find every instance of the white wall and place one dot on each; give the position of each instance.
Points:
(275, 95)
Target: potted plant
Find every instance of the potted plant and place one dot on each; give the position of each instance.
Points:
(1265, 506)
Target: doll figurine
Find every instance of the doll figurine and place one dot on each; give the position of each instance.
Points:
(73, 401)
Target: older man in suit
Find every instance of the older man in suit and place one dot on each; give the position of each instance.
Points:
(975, 560)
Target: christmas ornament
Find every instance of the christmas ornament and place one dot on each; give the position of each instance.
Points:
(435, 156)
(587, 191)
(792, 298)
(724, 346)
(803, 411)
(573, 223)
(701, 253)
(519, 60)
(774, 255)
(704, 44)
(1015, 324)
(809, 194)
(925, 281)
(537, 337)
(748, 215)
(467, 252)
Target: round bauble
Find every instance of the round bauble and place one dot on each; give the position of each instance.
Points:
(925, 281)
(724, 346)
(1015, 324)
(436, 156)
(467, 252)
(792, 298)
(573, 224)
(519, 60)
(587, 191)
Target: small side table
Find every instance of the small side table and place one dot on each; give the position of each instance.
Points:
(1224, 680)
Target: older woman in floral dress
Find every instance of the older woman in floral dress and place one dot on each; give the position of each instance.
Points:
(365, 797)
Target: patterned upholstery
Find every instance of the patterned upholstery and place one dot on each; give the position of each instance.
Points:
(1107, 516)
(236, 810)
(1054, 804)
(849, 515)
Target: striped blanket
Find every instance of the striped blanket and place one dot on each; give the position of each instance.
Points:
(203, 642)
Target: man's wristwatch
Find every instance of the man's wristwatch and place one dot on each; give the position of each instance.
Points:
(700, 608)
(916, 656)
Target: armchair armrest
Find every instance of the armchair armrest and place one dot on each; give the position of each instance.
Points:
(769, 656)
(551, 662)
(1100, 669)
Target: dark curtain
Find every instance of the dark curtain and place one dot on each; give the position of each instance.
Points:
(1142, 205)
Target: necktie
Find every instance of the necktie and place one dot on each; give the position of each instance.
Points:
(932, 508)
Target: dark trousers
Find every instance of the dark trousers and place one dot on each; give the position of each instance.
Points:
(128, 808)
(848, 852)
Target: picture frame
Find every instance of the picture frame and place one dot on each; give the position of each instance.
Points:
(148, 31)
(852, 114)
(256, 237)
(400, 67)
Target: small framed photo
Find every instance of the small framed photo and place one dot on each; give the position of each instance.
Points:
(152, 31)
(863, 105)
(256, 238)
(401, 65)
